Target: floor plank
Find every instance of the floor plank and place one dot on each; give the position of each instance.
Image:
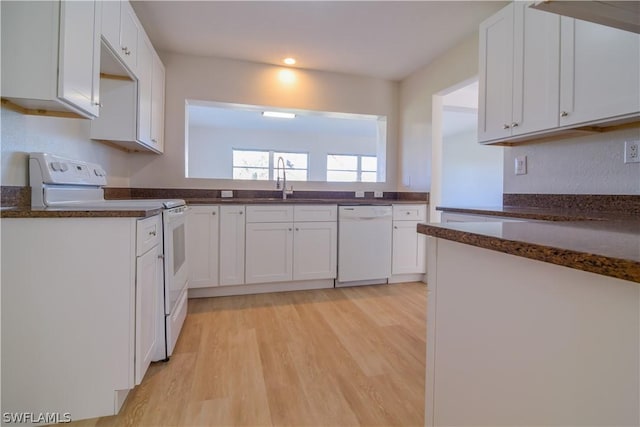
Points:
(331, 357)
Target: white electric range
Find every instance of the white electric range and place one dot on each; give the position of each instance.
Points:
(59, 183)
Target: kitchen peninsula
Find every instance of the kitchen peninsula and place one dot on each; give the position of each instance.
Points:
(533, 323)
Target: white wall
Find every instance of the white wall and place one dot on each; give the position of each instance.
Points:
(416, 91)
(211, 149)
(471, 172)
(591, 164)
(232, 81)
(22, 134)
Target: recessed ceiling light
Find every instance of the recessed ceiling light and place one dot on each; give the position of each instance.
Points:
(289, 61)
(278, 114)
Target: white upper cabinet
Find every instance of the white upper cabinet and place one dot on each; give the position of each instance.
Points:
(157, 104)
(540, 74)
(51, 55)
(536, 78)
(599, 73)
(132, 92)
(496, 75)
(519, 72)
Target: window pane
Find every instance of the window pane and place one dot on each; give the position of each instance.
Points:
(251, 173)
(349, 163)
(296, 175)
(369, 177)
(251, 158)
(342, 176)
(369, 163)
(291, 160)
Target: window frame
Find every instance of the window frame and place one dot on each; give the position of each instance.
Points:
(272, 163)
(358, 169)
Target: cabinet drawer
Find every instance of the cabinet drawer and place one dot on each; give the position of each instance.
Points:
(149, 234)
(315, 213)
(409, 212)
(270, 213)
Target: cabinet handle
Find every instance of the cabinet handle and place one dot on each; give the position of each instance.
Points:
(564, 114)
(514, 125)
(505, 126)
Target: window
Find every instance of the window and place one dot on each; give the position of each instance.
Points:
(351, 168)
(261, 165)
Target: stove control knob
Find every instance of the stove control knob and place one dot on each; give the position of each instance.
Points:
(63, 167)
(97, 172)
(55, 166)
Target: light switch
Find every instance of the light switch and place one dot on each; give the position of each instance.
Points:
(521, 165)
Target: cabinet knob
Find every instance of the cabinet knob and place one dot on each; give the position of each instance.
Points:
(240, 212)
(161, 256)
(564, 114)
(155, 141)
(297, 229)
(514, 125)
(395, 226)
(408, 213)
(290, 229)
(152, 233)
(213, 213)
(505, 126)
(98, 104)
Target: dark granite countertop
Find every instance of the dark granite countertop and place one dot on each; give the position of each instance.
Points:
(299, 201)
(606, 247)
(26, 212)
(537, 213)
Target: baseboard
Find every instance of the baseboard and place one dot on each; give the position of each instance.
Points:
(401, 278)
(260, 288)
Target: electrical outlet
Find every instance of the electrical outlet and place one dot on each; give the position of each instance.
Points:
(521, 165)
(632, 151)
(359, 194)
(378, 194)
(227, 193)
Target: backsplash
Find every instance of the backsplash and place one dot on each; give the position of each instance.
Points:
(618, 203)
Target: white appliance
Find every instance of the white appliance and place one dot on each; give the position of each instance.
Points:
(364, 245)
(65, 184)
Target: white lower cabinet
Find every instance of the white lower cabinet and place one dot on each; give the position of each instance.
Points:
(315, 251)
(282, 250)
(149, 283)
(409, 246)
(87, 312)
(232, 245)
(269, 252)
(203, 229)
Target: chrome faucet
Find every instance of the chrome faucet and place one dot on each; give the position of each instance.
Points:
(284, 178)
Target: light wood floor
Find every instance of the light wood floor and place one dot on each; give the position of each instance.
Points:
(352, 356)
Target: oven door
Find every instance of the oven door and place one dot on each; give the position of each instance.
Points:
(175, 259)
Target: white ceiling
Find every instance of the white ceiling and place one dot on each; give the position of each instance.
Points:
(384, 39)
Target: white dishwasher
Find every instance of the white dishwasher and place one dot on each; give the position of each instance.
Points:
(364, 244)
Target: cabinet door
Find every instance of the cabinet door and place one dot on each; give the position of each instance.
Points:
(409, 248)
(536, 75)
(599, 72)
(129, 36)
(148, 286)
(111, 24)
(315, 251)
(232, 235)
(496, 76)
(269, 252)
(157, 104)
(79, 55)
(204, 232)
(145, 67)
